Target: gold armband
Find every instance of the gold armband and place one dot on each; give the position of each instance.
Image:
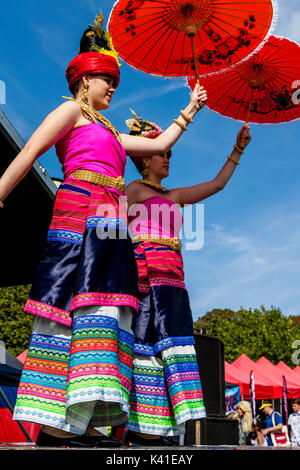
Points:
(233, 160)
(183, 126)
(185, 117)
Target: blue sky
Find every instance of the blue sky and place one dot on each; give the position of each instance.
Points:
(251, 251)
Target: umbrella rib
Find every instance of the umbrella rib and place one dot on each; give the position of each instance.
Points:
(242, 99)
(230, 86)
(172, 49)
(142, 44)
(154, 18)
(150, 50)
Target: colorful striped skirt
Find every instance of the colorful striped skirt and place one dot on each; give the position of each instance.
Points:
(78, 369)
(166, 388)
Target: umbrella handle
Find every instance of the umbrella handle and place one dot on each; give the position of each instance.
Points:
(191, 36)
(250, 106)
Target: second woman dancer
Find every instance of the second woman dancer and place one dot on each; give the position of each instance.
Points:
(166, 387)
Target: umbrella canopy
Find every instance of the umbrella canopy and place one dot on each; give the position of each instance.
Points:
(247, 365)
(262, 89)
(270, 370)
(291, 374)
(238, 376)
(173, 37)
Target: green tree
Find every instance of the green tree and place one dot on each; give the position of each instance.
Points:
(15, 324)
(256, 333)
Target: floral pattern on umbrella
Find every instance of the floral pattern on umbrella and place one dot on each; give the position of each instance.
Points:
(261, 90)
(154, 35)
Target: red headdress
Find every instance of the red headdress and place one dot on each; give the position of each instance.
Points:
(96, 55)
(94, 63)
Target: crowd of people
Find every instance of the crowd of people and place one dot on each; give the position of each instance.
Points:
(262, 430)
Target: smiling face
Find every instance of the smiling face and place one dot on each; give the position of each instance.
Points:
(100, 90)
(159, 164)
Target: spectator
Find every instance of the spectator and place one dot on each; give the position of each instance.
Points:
(294, 423)
(273, 422)
(244, 416)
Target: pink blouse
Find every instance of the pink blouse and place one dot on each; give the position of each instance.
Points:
(155, 216)
(91, 147)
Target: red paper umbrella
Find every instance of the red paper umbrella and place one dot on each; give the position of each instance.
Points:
(264, 89)
(180, 37)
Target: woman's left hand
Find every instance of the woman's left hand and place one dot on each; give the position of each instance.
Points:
(243, 138)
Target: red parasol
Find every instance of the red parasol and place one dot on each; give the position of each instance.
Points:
(187, 37)
(262, 89)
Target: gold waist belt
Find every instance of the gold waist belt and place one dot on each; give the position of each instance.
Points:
(97, 178)
(173, 243)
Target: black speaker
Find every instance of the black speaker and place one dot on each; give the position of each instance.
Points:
(212, 432)
(210, 358)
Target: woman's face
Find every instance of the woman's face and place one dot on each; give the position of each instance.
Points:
(159, 164)
(101, 89)
(240, 412)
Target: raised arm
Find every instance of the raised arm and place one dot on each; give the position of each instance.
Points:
(54, 127)
(143, 147)
(194, 194)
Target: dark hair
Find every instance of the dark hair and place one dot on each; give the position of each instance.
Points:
(296, 401)
(88, 42)
(90, 39)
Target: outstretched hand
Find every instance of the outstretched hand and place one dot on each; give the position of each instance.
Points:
(198, 97)
(243, 138)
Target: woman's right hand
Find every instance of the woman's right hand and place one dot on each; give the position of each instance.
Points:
(198, 97)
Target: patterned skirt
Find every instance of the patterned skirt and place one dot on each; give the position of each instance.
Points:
(166, 388)
(78, 369)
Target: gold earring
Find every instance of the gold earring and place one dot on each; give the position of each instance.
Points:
(85, 92)
(145, 171)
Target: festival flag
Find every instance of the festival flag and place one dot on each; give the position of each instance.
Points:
(252, 394)
(285, 402)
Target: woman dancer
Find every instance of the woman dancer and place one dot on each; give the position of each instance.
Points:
(166, 387)
(77, 375)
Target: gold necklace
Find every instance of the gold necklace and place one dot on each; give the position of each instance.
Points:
(90, 110)
(153, 185)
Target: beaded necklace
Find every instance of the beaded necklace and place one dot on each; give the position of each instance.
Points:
(90, 110)
(153, 185)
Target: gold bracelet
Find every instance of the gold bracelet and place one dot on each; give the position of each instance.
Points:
(183, 126)
(1, 205)
(233, 160)
(186, 118)
(238, 149)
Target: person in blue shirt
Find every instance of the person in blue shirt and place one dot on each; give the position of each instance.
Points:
(273, 421)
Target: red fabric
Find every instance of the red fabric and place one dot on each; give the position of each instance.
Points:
(247, 365)
(238, 376)
(262, 89)
(92, 62)
(272, 372)
(291, 374)
(10, 431)
(21, 357)
(151, 34)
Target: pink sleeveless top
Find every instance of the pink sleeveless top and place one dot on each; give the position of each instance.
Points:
(155, 216)
(91, 147)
